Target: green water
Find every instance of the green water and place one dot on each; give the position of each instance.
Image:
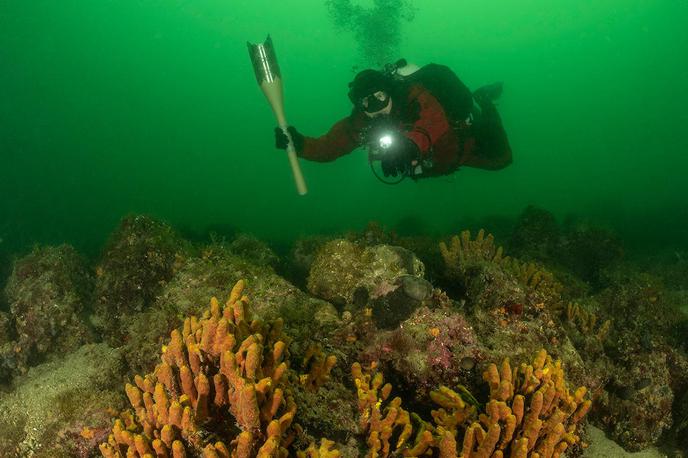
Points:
(116, 107)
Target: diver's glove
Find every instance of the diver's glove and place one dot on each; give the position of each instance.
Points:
(397, 161)
(281, 139)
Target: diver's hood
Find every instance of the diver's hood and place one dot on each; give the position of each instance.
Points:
(368, 82)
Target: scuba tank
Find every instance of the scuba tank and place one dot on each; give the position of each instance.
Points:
(401, 69)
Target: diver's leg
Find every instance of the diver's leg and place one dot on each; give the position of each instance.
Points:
(492, 144)
(488, 93)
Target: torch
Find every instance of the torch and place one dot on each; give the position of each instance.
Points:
(270, 81)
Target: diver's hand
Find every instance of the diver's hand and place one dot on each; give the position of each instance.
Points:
(281, 139)
(398, 161)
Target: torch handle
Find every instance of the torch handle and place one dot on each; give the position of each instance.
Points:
(294, 162)
(273, 92)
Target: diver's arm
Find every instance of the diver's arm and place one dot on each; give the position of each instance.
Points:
(341, 139)
(431, 124)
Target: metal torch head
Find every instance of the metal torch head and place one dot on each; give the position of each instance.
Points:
(264, 61)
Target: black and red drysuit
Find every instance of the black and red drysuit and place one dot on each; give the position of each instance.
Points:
(473, 140)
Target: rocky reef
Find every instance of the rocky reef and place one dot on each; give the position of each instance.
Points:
(63, 408)
(224, 388)
(377, 345)
(48, 292)
(140, 257)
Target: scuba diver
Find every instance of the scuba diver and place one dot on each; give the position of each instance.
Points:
(416, 122)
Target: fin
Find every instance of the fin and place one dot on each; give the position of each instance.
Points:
(488, 93)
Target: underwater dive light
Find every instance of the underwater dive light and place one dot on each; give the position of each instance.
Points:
(269, 79)
(386, 141)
